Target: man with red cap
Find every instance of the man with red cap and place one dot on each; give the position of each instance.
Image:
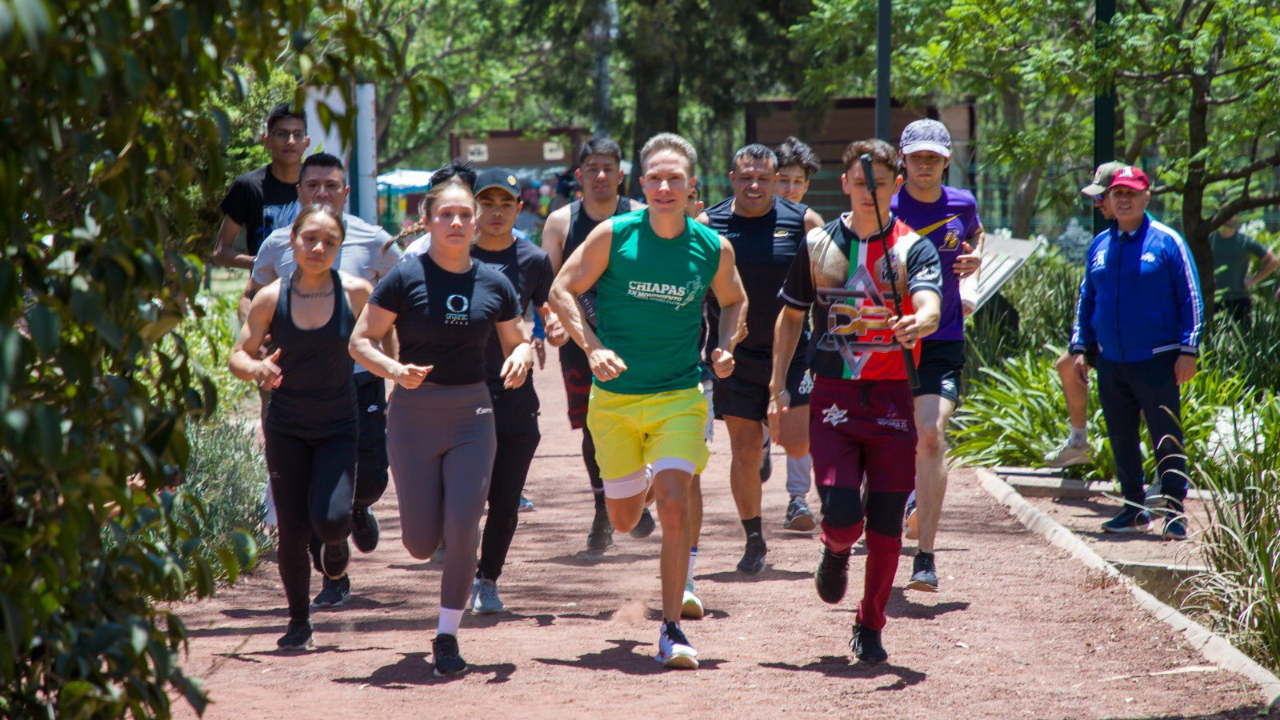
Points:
(1140, 310)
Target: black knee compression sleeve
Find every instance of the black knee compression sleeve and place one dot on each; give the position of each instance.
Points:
(884, 512)
(841, 507)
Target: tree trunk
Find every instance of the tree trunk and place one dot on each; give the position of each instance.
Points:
(656, 75)
(1024, 201)
(1195, 229)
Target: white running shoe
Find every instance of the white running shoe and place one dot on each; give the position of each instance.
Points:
(1067, 455)
(484, 597)
(691, 607)
(674, 650)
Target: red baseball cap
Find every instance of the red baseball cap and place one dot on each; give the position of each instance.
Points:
(1130, 177)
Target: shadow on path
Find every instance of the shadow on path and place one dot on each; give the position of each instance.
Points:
(769, 573)
(840, 666)
(413, 669)
(623, 658)
(902, 605)
(585, 558)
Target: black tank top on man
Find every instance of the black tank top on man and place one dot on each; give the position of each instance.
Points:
(764, 248)
(445, 319)
(317, 393)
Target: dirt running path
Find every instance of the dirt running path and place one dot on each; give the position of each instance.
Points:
(1020, 630)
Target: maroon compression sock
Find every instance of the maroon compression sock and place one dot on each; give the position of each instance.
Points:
(840, 539)
(882, 564)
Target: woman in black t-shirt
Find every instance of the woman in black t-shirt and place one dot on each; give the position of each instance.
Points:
(310, 422)
(440, 431)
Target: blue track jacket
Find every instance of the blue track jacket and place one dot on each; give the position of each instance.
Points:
(1140, 295)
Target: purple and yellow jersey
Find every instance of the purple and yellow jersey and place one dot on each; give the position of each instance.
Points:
(948, 223)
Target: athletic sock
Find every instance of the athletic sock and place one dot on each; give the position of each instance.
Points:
(449, 622)
(882, 564)
(693, 558)
(753, 528)
(839, 540)
(1078, 437)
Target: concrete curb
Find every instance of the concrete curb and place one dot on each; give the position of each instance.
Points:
(1214, 648)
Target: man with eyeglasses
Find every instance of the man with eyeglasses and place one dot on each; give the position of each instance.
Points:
(265, 199)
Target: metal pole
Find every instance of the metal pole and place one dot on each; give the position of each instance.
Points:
(1104, 105)
(883, 40)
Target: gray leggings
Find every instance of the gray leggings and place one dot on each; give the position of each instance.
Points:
(441, 443)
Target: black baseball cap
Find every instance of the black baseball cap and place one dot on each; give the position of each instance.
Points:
(497, 178)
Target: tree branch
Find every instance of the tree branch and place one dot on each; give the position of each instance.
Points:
(1244, 172)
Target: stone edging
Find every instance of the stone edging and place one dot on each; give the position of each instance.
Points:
(1213, 647)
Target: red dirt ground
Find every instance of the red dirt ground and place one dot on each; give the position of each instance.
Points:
(1019, 630)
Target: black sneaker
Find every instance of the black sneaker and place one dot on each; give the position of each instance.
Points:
(766, 462)
(866, 645)
(1130, 519)
(601, 535)
(334, 559)
(799, 516)
(832, 576)
(924, 575)
(448, 660)
(364, 529)
(644, 528)
(297, 637)
(752, 561)
(333, 592)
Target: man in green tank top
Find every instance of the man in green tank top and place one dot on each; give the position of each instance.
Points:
(651, 269)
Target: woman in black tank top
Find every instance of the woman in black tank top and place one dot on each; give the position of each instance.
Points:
(310, 422)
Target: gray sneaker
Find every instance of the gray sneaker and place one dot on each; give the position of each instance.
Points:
(484, 597)
(799, 516)
(1067, 455)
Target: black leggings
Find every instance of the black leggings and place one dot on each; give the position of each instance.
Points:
(510, 469)
(371, 453)
(312, 483)
(593, 468)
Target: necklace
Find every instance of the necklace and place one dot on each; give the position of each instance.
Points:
(311, 295)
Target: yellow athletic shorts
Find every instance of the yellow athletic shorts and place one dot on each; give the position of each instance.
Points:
(632, 431)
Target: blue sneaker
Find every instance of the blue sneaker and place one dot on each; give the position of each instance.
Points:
(1175, 528)
(1129, 520)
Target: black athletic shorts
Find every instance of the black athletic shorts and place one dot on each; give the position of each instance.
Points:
(745, 395)
(941, 362)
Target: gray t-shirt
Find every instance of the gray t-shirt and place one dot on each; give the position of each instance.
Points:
(366, 252)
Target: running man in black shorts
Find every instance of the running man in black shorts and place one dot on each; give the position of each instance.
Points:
(862, 422)
(765, 231)
(600, 175)
(948, 217)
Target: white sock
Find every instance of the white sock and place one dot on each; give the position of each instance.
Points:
(693, 558)
(1078, 437)
(449, 622)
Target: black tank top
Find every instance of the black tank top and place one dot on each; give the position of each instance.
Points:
(317, 395)
(580, 225)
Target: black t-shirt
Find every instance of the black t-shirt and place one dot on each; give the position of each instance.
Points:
(528, 269)
(452, 331)
(260, 203)
(846, 283)
(764, 248)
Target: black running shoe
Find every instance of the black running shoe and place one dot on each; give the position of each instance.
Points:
(333, 592)
(601, 535)
(752, 561)
(866, 645)
(832, 576)
(364, 529)
(334, 559)
(644, 528)
(297, 637)
(924, 576)
(766, 462)
(448, 660)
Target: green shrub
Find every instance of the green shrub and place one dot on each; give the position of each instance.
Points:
(226, 480)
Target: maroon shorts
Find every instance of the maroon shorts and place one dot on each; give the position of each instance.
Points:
(577, 382)
(863, 427)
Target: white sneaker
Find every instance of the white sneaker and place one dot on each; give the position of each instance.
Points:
(1067, 455)
(484, 597)
(674, 650)
(691, 606)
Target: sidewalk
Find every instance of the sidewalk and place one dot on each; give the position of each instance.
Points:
(1019, 629)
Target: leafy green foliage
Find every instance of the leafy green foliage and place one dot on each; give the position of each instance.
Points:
(111, 120)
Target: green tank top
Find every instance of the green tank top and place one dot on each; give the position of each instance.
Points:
(649, 303)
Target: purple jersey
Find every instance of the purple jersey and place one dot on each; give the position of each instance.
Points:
(950, 221)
